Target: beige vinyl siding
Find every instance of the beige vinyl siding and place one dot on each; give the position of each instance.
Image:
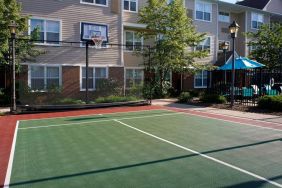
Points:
(266, 20)
(210, 28)
(72, 13)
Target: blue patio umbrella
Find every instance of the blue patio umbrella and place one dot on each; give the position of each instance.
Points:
(241, 63)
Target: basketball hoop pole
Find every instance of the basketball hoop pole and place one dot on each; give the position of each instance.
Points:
(86, 73)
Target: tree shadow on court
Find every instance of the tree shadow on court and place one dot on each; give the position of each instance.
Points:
(87, 118)
(92, 172)
(257, 183)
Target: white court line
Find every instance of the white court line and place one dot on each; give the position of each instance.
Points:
(106, 120)
(205, 156)
(11, 159)
(230, 121)
(93, 114)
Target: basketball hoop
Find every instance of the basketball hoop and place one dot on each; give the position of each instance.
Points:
(98, 41)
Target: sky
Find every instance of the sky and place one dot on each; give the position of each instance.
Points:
(229, 1)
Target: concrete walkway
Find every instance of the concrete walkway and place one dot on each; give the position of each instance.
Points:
(233, 113)
(4, 110)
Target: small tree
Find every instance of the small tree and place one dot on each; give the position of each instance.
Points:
(172, 34)
(267, 44)
(10, 10)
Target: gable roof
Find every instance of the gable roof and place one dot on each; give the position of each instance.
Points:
(258, 4)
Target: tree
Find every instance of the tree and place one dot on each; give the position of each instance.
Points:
(175, 35)
(267, 45)
(10, 10)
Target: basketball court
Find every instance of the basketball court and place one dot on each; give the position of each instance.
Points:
(161, 147)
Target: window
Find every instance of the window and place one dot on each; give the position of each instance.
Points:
(96, 76)
(169, 1)
(48, 30)
(44, 77)
(133, 41)
(203, 11)
(134, 77)
(253, 48)
(130, 5)
(96, 2)
(205, 45)
(224, 17)
(257, 20)
(220, 42)
(201, 79)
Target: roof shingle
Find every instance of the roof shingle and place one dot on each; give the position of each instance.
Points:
(259, 4)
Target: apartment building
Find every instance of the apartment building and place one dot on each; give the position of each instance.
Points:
(117, 20)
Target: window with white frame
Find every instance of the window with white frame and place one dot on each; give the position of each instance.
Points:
(44, 77)
(205, 45)
(224, 16)
(95, 2)
(133, 41)
(134, 77)
(130, 5)
(203, 11)
(169, 1)
(252, 48)
(201, 79)
(96, 76)
(47, 31)
(257, 20)
(220, 44)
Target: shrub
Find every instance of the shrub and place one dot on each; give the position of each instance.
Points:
(68, 101)
(194, 93)
(271, 102)
(184, 97)
(113, 98)
(213, 98)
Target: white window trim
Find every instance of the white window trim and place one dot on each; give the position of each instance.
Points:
(45, 75)
(48, 19)
(133, 68)
(200, 87)
(142, 41)
(90, 46)
(221, 41)
(252, 15)
(129, 7)
(94, 78)
(222, 20)
(95, 4)
(195, 14)
(210, 51)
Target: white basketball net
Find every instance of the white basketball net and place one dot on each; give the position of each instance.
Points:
(98, 41)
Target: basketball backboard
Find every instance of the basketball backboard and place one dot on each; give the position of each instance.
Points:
(90, 30)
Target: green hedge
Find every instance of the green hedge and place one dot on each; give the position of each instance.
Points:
(213, 98)
(112, 98)
(271, 102)
(68, 101)
(184, 97)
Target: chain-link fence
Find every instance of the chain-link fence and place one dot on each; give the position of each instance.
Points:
(64, 73)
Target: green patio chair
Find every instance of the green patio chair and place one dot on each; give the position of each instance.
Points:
(269, 91)
(247, 92)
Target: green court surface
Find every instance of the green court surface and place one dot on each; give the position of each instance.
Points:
(156, 148)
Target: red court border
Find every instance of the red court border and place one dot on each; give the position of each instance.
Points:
(8, 125)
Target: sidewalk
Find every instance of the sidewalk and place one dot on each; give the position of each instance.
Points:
(232, 113)
(4, 110)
